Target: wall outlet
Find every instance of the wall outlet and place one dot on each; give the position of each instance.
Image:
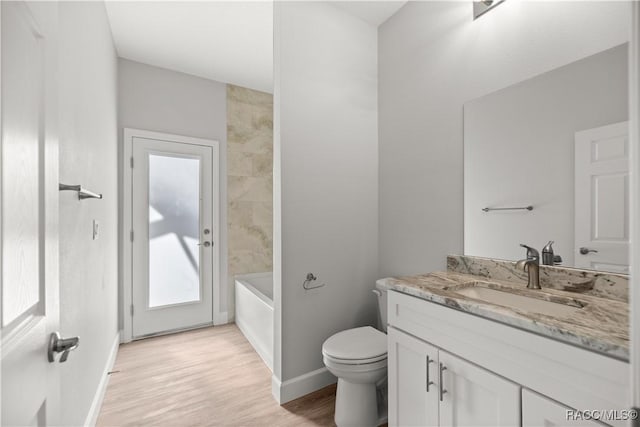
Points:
(95, 229)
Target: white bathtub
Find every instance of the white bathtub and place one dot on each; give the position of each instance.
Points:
(254, 312)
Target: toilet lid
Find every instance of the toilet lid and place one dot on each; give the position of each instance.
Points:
(356, 344)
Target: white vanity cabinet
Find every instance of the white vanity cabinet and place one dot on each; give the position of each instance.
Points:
(541, 411)
(494, 374)
(431, 387)
(475, 396)
(412, 369)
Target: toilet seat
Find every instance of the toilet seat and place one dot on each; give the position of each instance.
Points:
(357, 346)
(354, 361)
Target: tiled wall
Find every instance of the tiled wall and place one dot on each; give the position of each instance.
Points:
(250, 182)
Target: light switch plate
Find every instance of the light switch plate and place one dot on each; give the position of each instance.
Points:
(95, 229)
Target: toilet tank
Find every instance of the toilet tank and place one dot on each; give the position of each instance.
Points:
(381, 293)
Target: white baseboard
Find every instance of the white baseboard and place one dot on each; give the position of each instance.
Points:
(275, 388)
(96, 404)
(221, 318)
(300, 386)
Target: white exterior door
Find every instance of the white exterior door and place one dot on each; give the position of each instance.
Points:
(413, 382)
(602, 198)
(175, 235)
(29, 231)
(476, 397)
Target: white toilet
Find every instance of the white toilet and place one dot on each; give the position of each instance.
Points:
(358, 357)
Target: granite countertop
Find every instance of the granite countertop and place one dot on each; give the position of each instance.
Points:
(601, 325)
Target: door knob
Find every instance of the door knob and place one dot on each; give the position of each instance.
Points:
(205, 244)
(585, 251)
(61, 345)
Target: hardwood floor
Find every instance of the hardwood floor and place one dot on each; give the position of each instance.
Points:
(206, 377)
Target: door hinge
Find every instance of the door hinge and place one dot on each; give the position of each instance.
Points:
(131, 162)
(131, 235)
(132, 309)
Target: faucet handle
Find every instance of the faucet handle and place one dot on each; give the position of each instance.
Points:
(532, 253)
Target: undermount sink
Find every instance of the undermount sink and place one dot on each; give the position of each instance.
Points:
(522, 302)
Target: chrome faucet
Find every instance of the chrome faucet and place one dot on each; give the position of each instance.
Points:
(532, 266)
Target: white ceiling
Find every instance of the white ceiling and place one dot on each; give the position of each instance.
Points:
(229, 42)
(226, 41)
(373, 12)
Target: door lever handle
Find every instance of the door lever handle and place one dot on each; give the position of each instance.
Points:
(61, 345)
(585, 251)
(205, 244)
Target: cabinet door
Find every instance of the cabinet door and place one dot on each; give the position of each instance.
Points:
(538, 411)
(472, 396)
(413, 386)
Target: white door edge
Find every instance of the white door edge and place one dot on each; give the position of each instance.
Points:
(634, 169)
(126, 246)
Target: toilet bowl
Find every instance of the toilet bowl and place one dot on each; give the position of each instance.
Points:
(358, 357)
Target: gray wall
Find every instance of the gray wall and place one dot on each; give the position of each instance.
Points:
(325, 179)
(88, 149)
(156, 99)
(519, 150)
(432, 58)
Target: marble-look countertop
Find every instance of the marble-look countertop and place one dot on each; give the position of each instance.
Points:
(601, 325)
(590, 282)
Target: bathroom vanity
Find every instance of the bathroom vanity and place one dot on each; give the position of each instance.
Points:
(545, 160)
(468, 349)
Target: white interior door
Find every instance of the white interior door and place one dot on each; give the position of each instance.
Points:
(29, 232)
(602, 198)
(174, 235)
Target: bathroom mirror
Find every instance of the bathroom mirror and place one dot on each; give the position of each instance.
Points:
(558, 144)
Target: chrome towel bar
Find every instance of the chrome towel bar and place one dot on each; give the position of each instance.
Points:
(83, 193)
(529, 208)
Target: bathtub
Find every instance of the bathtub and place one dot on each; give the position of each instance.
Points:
(254, 312)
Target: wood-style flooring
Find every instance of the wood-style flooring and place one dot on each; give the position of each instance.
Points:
(205, 377)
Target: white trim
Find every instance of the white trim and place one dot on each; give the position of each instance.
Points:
(220, 318)
(634, 154)
(96, 404)
(301, 385)
(125, 243)
(252, 275)
(1, 210)
(277, 203)
(219, 248)
(275, 388)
